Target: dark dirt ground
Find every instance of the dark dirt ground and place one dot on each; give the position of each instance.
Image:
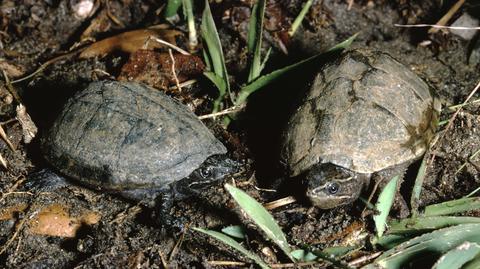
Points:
(113, 233)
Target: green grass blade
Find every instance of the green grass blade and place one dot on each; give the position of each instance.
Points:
(473, 264)
(423, 224)
(269, 78)
(298, 20)
(236, 231)
(389, 241)
(417, 188)
(453, 207)
(214, 47)
(261, 217)
(303, 255)
(344, 44)
(192, 32)
(384, 204)
(254, 42)
(456, 258)
(172, 8)
(234, 244)
(427, 247)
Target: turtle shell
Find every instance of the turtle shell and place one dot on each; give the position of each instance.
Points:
(364, 112)
(124, 136)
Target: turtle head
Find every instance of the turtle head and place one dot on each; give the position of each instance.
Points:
(215, 168)
(330, 185)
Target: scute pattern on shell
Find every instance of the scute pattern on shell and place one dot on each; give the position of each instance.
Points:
(365, 112)
(126, 136)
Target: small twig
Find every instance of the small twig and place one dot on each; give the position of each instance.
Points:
(229, 110)
(162, 259)
(112, 17)
(163, 42)
(178, 244)
(177, 82)
(350, 4)
(436, 26)
(468, 160)
(280, 202)
(4, 136)
(226, 263)
(3, 162)
(14, 236)
(184, 84)
(46, 64)
(19, 180)
(364, 259)
(10, 88)
(447, 16)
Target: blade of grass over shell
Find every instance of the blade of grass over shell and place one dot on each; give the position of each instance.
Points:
(254, 42)
(427, 247)
(456, 258)
(298, 20)
(384, 204)
(269, 78)
(453, 207)
(417, 187)
(172, 8)
(423, 224)
(234, 244)
(214, 53)
(262, 218)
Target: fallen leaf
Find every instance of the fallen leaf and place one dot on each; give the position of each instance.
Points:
(54, 220)
(130, 42)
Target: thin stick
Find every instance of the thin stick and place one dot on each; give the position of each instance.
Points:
(17, 231)
(177, 82)
(447, 16)
(229, 110)
(178, 244)
(184, 84)
(163, 42)
(4, 136)
(280, 202)
(3, 162)
(436, 26)
(46, 64)
(364, 259)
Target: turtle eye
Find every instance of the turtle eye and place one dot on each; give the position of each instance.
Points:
(206, 172)
(333, 188)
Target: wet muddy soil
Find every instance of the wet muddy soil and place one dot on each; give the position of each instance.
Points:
(49, 222)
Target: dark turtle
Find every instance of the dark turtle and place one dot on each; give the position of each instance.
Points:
(129, 139)
(366, 115)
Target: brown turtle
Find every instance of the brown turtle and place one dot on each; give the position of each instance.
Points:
(365, 116)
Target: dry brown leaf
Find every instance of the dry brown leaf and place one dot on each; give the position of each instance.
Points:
(9, 213)
(130, 42)
(12, 70)
(54, 220)
(28, 126)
